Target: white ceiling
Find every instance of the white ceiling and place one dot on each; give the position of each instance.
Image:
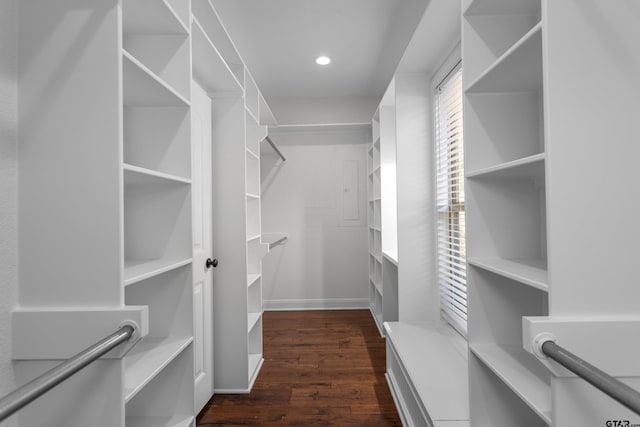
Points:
(280, 39)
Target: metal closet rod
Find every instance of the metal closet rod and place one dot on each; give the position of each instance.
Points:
(29, 392)
(613, 387)
(268, 139)
(278, 242)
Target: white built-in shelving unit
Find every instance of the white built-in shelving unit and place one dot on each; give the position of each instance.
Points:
(116, 86)
(238, 113)
(506, 209)
(156, 79)
(535, 156)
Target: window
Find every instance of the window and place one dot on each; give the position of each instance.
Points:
(452, 275)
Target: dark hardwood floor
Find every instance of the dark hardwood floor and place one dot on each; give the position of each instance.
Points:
(321, 368)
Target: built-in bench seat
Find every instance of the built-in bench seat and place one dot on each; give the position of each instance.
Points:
(427, 374)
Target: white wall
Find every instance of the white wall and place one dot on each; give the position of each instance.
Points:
(324, 263)
(294, 111)
(8, 188)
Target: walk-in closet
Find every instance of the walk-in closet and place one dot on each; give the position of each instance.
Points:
(319, 212)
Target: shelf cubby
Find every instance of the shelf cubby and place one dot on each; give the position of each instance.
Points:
(143, 88)
(210, 69)
(521, 373)
(165, 401)
(169, 299)
(251, 96)
(166, 55)
(155, 17)
(496, 306)
(519, 69)
(255, 133)
(211, 25)
(157, 221)
(502, 128)
(506, 218)
(253, 173)
(255, 350)
(494, 403)
(253, 217)
(158, 138)
(491, 35)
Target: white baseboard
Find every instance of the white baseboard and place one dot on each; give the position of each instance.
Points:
(315, 304)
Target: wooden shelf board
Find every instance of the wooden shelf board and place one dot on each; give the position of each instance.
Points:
(171, 421)
(147, 359)
(519, 69)
(498, 7)
(527, 167)
(529, 272)
(138, 270)
(209, 67)
(512, 366)
(252, 196)
(252, 320)
(151, 17)
(143, 88)
(139, 175)
(376, 285)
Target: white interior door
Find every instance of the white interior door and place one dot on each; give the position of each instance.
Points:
(202, 274)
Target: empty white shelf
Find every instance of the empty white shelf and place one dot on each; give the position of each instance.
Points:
(147, 359)
(252, 278)
(143, 88)
(252, 319)
(138, 270)
(209, 68)
(139, 175)
(527, 167)
(513, 366)
(519, 69)
(173, 421)
(530, 272)
(151, 17)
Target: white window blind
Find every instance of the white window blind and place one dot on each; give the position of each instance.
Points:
(452, 275)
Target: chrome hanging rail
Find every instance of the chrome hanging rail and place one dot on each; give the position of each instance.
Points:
(278, 242)
(599, 379)
(268, 139)
(29, 392)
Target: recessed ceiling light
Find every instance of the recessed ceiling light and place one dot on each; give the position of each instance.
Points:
(323, 60)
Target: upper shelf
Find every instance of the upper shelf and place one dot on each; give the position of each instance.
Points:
(143, 88)
(151, 17)
(207, 17)
(519, 69)
(209, 67)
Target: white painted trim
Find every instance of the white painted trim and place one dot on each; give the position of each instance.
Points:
(316, 304)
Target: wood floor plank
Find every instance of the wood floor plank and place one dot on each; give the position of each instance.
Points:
(322, 368)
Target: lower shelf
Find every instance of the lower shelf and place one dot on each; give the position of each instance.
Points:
(138, 270)
(515, 368)
(255, 362)
(147, 359)
(174, 421)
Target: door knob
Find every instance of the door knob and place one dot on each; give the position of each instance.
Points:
(211, 263)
